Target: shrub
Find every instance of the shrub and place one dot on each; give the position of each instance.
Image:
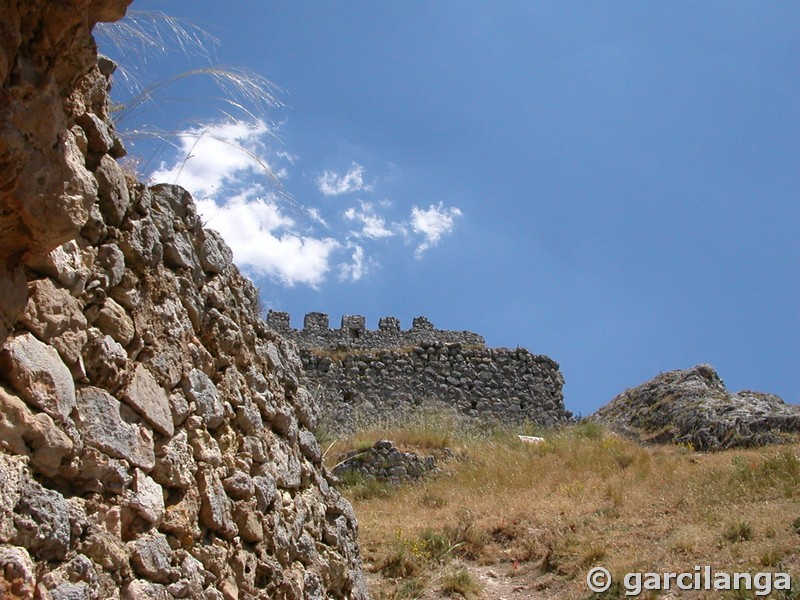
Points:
(462, 583)
(738, 531)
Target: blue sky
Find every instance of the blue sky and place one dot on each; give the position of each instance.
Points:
(613, 184)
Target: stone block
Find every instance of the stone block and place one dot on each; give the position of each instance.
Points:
(36, 371)
(199, 389)
(111, 427)
(149, 399)
(113, 320)
(42, 522)
(36, 435)
(215, 506)
(57, 319)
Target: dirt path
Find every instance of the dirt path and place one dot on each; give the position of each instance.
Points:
(498, 582)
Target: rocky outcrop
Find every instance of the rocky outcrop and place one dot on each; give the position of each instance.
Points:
(692, 407)
(155, 439)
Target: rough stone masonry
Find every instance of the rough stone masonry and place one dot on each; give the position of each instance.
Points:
(387, 376)
(155, 439)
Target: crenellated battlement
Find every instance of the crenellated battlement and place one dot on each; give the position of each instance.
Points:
(353, 332)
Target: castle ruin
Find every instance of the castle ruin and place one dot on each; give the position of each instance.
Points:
(387, 376)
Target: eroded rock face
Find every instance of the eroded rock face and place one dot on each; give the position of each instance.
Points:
(693, 407)
(154, 439)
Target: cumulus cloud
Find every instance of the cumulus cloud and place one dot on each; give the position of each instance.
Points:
(432, 223)
(332, 184)
(223, 167)
(358, 265)
(213, 156)
(372, 225)
(262, 241)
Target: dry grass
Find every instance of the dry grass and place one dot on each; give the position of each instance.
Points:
(585, 497)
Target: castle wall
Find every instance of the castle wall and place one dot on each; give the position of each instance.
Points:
(362, 388)
(353, 333)
(386, 376)
(155, 439)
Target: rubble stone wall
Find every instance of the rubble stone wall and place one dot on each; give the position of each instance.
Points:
(382, 387)
(388, 376)
(155, 438)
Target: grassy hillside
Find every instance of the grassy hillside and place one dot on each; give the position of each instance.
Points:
(513, 520)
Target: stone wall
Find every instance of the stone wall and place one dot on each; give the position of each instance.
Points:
(155, 438)
(353, 333)
(377, 387)
(386, 463)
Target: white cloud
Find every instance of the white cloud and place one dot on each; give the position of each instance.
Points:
(359, 266)
(216, 155)
(332, 184)
(223, 168)
(373, 225)
(258, 234)
(317, 216)
(432, 223)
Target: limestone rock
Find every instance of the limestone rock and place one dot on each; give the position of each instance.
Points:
(11, 479)
(96, 472)
(110, 265)
(239, 486)
(17, 573)
(181, 517)
(139, 589)
(105, 361)
(148, 498)
(114, 321)
(36, 371)
(13, 296)
(56, 318)
(98, 135)
(76, 579)
(150, 400)
(248, 521)
(216, 508)
(35, 435)
(215, 256)
(199, 389)
(113, 191)
(65, 264)
(141, 245)
(42, 523)
(693, 407)
(151, 557)
(106, 550)
(111, 427)
(175, 466)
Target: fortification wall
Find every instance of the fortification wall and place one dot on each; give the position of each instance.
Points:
(368, 377)
(391, 386)
(155, 440)
(353, 333)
